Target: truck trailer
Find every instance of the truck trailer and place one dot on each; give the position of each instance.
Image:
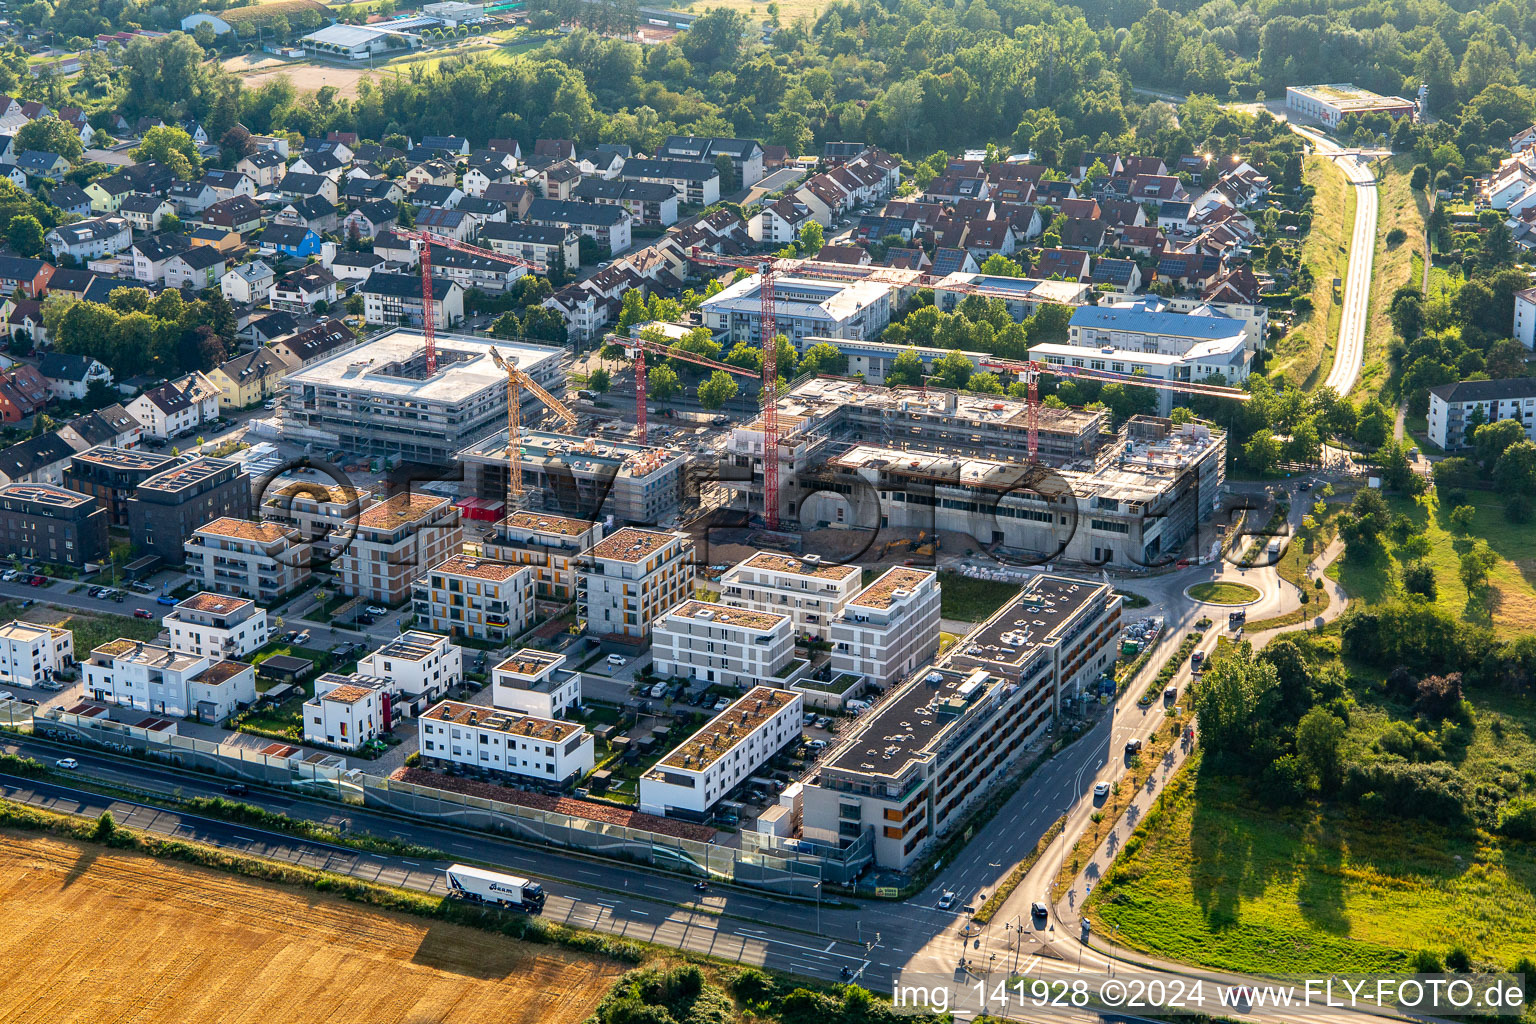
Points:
(480, 886)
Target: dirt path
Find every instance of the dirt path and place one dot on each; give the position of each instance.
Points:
(94, 935)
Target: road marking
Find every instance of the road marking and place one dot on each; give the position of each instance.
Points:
(411, 863)
(461, 846)
(243, 839)
(642, 913)
(829, 946)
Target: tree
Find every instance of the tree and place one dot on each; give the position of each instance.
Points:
(1476, 562)
(1492, 439)
(174, 148)
(1419, 579)
(599, 380)
(718, 389)
(661, 383)
(906, 370)
(811, 239)
(823, 357)
(1262, 452)
(1515, 472)
(1461, 518)
(1319, 743)
(1228, 700)
(25, 235)
(953, 371)
(1418, 180)
(49, 135)
(999, 265)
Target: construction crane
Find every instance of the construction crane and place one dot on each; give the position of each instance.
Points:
(642, 345)
(1030, 370)
(428, 240)
(766, 267)
(516, 381)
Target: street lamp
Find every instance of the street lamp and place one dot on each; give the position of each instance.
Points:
(817, 887)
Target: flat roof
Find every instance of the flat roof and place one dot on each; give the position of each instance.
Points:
(479, 568)
(140, 653)
(113, 457)
(728, 728)
(631, 544)
(215, 604)
(180, 478)
(401, 510)
(508, 722)
(220, 671)
(1348, 96)
(544, 523)
(581, 453)
(349, 694)
(392, 366)
(726, 616)
(1013, 632)
(799, 566)
(25, 631)
(244, 529)
(412, 645)
(45, 494)
(882, 592)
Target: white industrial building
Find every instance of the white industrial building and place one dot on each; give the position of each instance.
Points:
(719, 644)
(535, 683)
(1453, 408)
(889, 628)
(803, 307)
(503, 744)
(417, 668)
(217, 626)
(809, 591)
(629, 578)
(359, 42)
(29, 653)
(466, 595)
(725, 753)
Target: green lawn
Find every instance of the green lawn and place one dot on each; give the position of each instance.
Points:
(1510, 607)
(972, 600)
(1217, 878)
(91, 631)
(1221, 592)
(1398, 206)
(1306, 352)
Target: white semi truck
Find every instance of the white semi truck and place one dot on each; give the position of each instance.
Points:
(480, 886)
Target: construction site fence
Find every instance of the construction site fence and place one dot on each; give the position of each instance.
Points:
(761, 861)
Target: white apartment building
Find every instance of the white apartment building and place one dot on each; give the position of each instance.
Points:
(346, 711)
(217, 626)
(1524, 330)
(811, 593)
(804, 307)
(30, 653)
(1454, 409)
(395, 542)
(161, 681)
(535, 683)
(911, 769)
(503, 744)
(547, 544)
(261, 561)
(628, 579)
(889, 628)
(479, 597)
(417, 668)
(719, 644)
(725, 753)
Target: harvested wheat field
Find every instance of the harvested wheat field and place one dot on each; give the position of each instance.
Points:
(94, 935)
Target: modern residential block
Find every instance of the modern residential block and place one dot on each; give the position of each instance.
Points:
(546, 543)
(631, 577)
(261, 561)
(466, 595)
(720, 644)
(346, 711)
(418, 667)
(535, 683)
(502, 744)
(725, 753)
(811, 593)
(166, 508)
(1456, 409)
(217, 626)
(395, 542)
(30, 653)
(889, 628)
(52, 524)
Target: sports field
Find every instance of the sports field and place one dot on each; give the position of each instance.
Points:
(94, 935)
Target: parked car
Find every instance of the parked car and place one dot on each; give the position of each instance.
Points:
(165, 599)
(364, 620)
(143, 613)
(375, 610)
(7, 695)
(10, 574)
(141, 587)
(722, 704)
(38, 581)
(617, 660)
(1101, 789)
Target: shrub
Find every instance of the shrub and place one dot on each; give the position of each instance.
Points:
(1458, 959)
(1396, 237)
(413, 759)
(1436, 792)
(1518, 820)
(1425, 962)
(1438, 696)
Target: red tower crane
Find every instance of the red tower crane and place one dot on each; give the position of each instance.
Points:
(765, 267)
(428, 240)
(1030, 371)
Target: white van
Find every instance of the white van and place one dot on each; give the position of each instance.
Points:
(658, 690)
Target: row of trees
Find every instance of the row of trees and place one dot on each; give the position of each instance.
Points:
(136, 334)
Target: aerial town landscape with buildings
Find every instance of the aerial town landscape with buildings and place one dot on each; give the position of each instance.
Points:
(836, 513)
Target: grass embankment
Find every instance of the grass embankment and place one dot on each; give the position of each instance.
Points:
(966, 599)
(1223, 592)
(1399, 208)
(1305, 354)
(1216, 877)
(90, 628)
(1508, 606)
(1310, 541)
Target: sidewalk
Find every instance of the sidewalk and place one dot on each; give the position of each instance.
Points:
(1067, 909)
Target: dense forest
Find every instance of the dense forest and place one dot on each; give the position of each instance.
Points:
(912, 77)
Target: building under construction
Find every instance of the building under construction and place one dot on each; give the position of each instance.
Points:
(377, 398)
(857, 456)
(584, 477)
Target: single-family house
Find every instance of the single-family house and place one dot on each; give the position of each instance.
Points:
(90, 239)
(196, 267)
(144, 213)
(288, 240)
(249, 284)
(70, 375)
